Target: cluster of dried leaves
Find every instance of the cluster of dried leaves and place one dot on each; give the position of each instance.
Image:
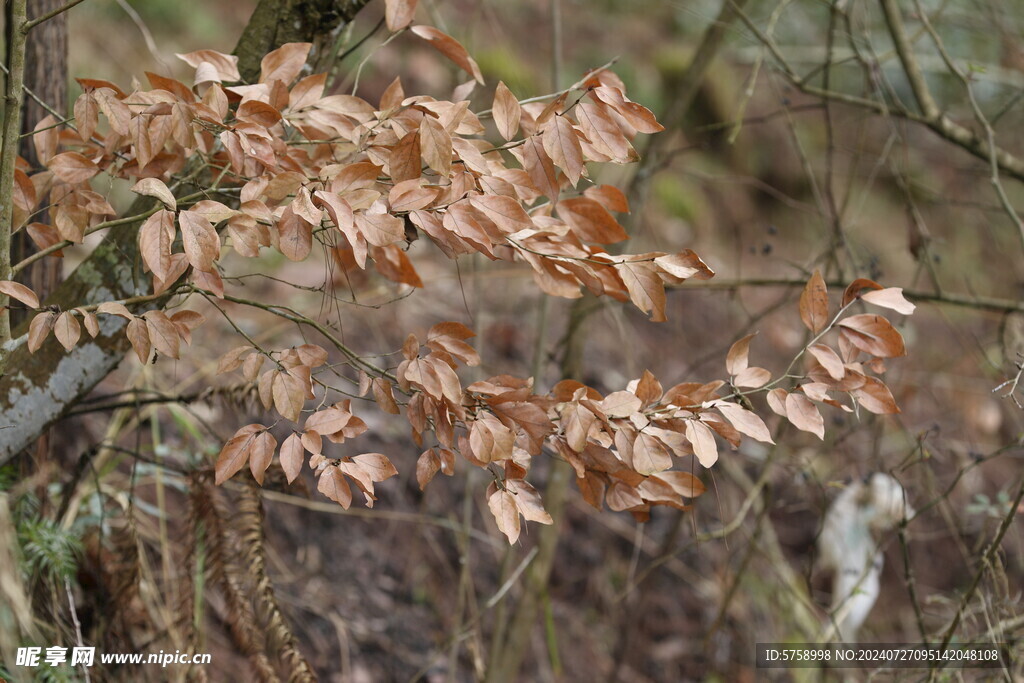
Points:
(298, 167)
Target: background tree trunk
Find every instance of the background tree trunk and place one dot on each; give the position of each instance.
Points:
(46, 76)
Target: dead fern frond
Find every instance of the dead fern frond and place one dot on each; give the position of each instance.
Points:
(280, 639)
(240, 619)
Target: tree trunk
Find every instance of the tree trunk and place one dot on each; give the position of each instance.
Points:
(37, 389)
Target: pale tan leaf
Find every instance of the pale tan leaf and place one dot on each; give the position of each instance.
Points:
(18, 291)
(890, 297)
(506, 111)
(873, 334)
(72, 167)
(45, 138)
(202, 245)
(232, 360)
(162, 333)
(154, 187)
(138, 334)
(261, 454)
(377, 465)
(404, 160)
(540, 168)
(576, 422)
(702, 439)
(295, 235)
(745, 421)
(382, 394)
(410, 195)
(621, 496)
(608, 196)
(225, 66)
(380, 229)
(829, 360)
(875, 396)
(115, 308)
(777, 401)
(333, 484)
(502, 505)
(646, 290)
(590, 221)
(505, 212)
(87, 113)
(528, 501)
(39, 328)
(814, 304)
(752, 378)
(683, 483)
(804, 415)
(67, 330)
(235, 453)
(649, 455)
(92, 325)
(638, 116)
(451, 49)
(307, 92)
(563, 146)
(155, 239)
(427, 466)
(292, 457)
(620, 404)
(289, 395)
(737, 359)
(435, 146)
(284, 63)
(399, 13)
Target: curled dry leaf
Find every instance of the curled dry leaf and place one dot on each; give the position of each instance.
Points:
(814, 304)
(138, 334)
(154, 187)
(805, 415)
(502, 505)
(399, 13)
(702, 439)
(829, 360)
(333, 484)
(292, 456)
(506, 111)
(162, 333)
(736, 360)
(202, 245)
(260, 455)
(745, 421)
(890, 297)
(67, 330)
(450, 48)
(39, 328)
(235, 453)
(18, 291)
(72, 167)
(873, 335)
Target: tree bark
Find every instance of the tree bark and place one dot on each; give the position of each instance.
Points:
(37, 389)
(46, 75)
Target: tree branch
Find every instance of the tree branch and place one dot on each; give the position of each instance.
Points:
(16, 35)
(947, 129)
(50, 15)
